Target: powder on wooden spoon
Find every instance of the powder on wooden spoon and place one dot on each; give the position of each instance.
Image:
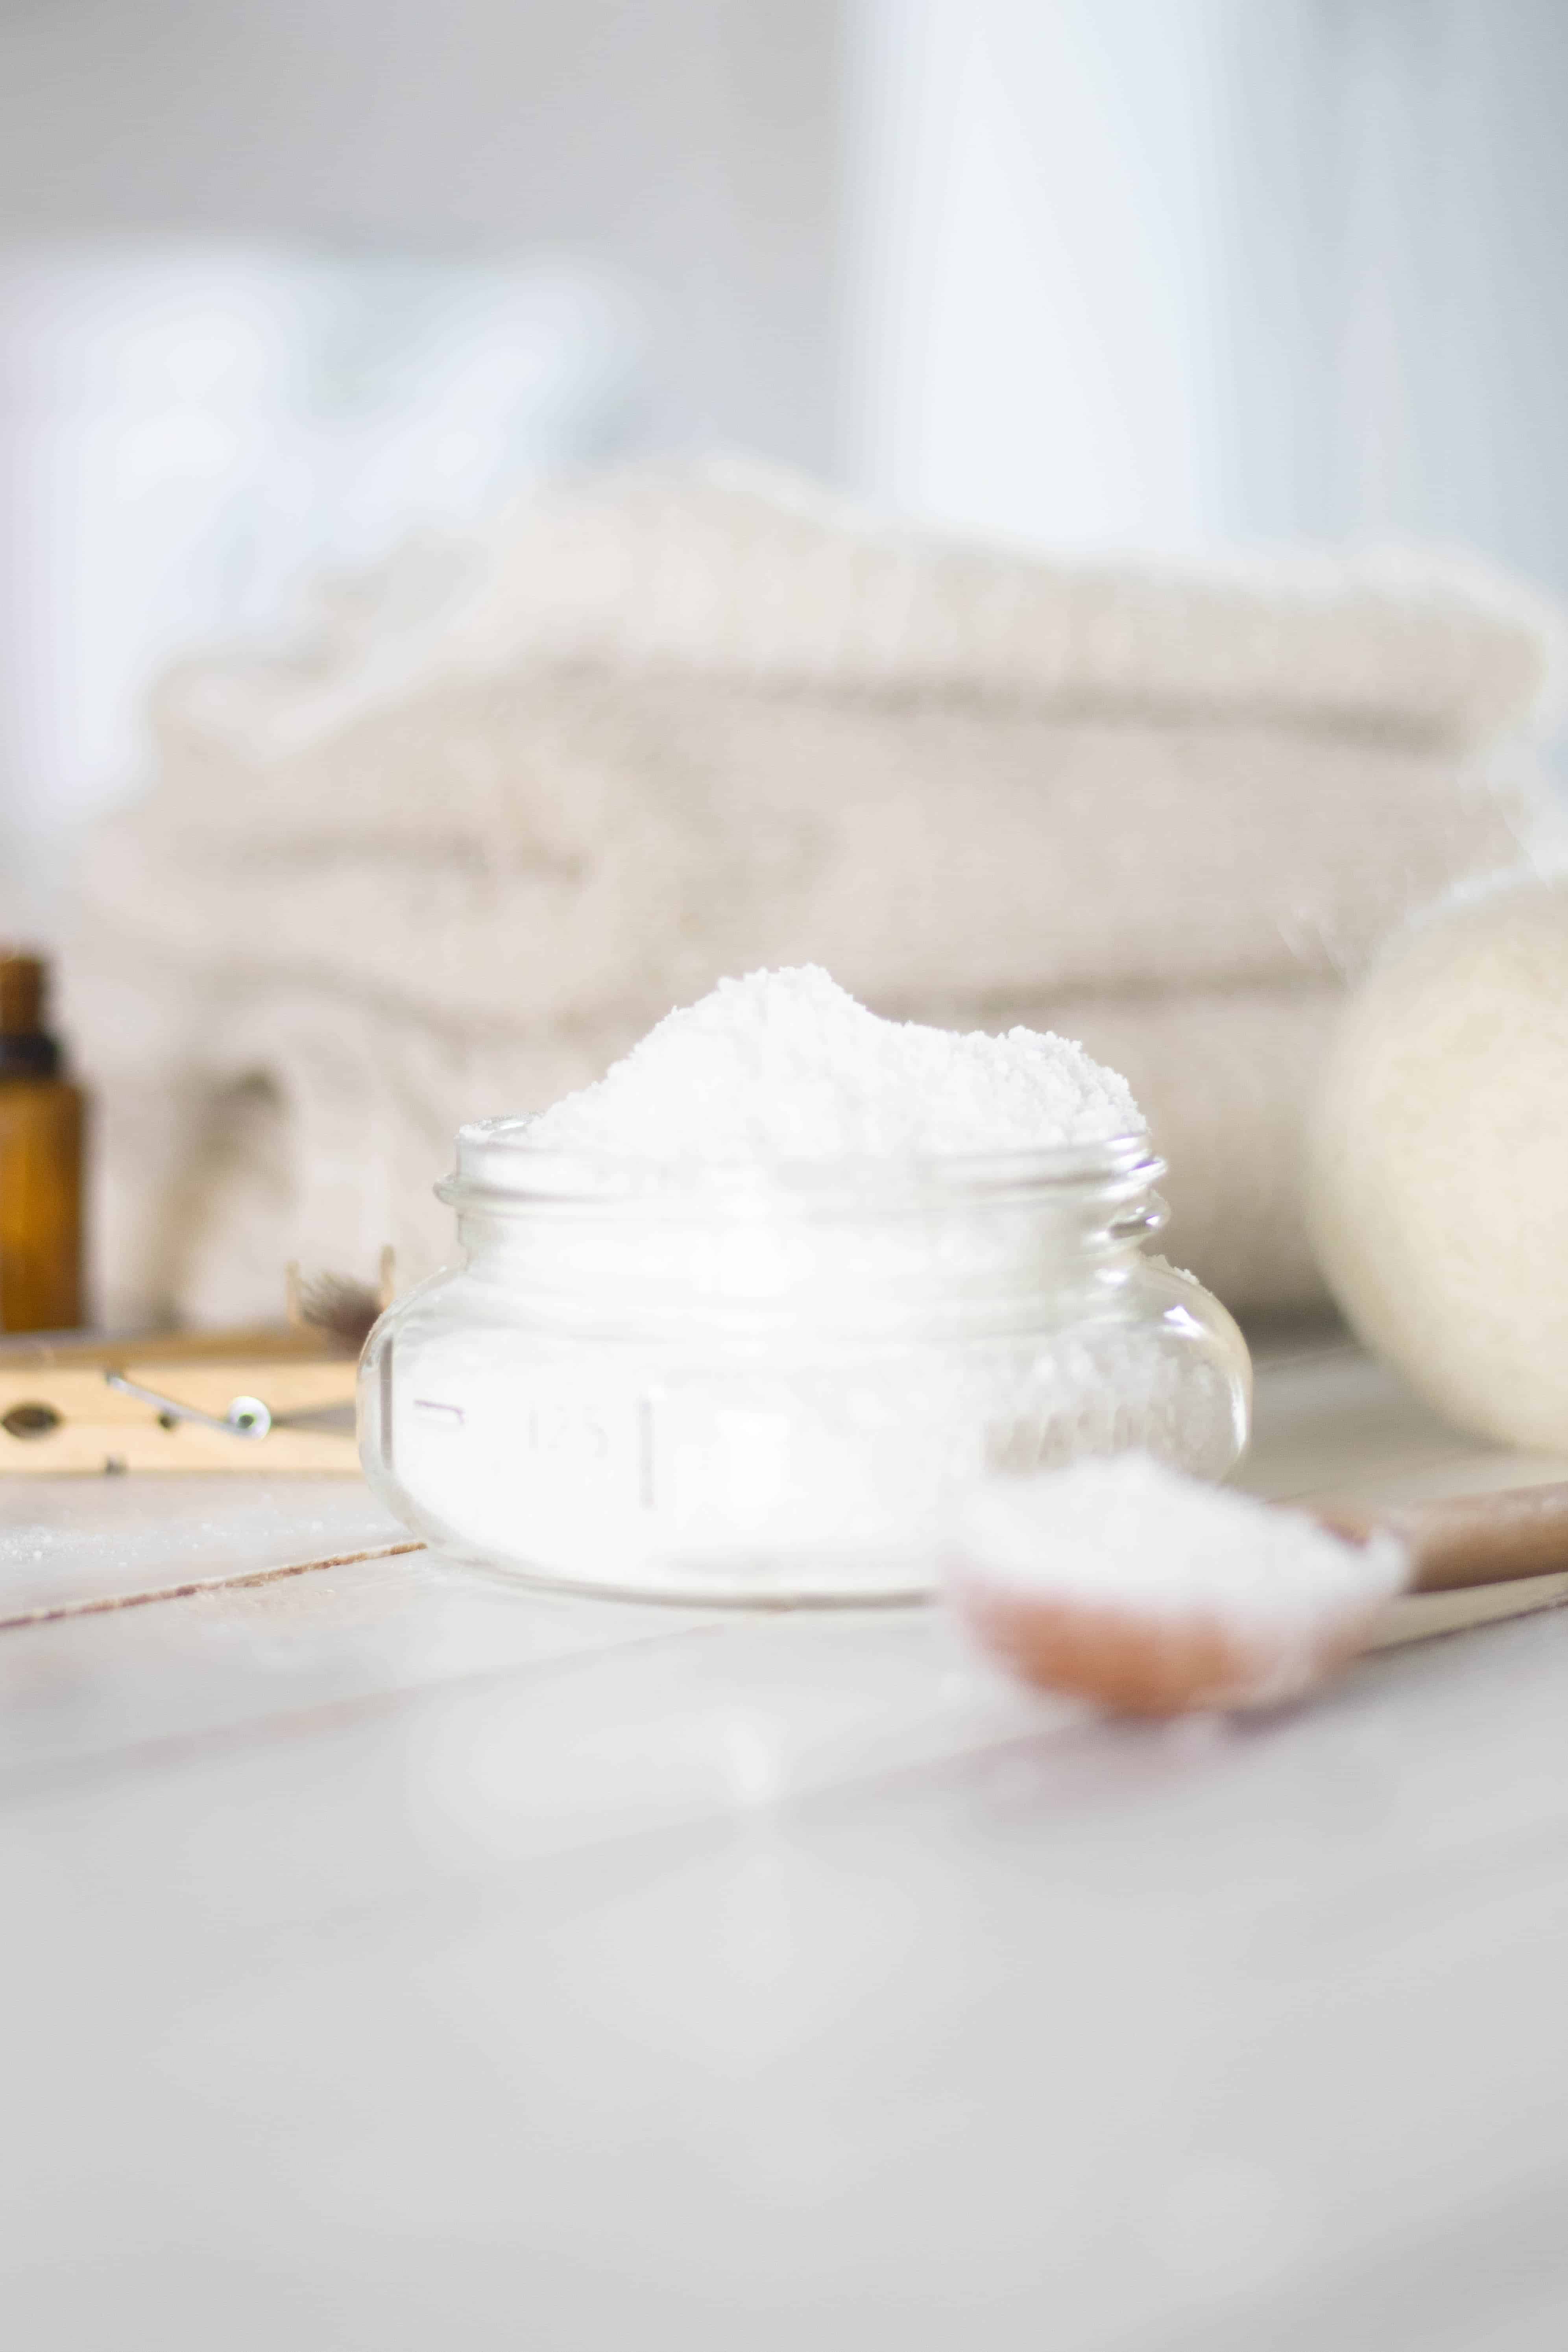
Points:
(1127, 1582)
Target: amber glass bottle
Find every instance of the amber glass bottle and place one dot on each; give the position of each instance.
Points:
(40, 1161)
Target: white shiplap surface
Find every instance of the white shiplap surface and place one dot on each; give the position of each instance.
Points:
(394, 1957)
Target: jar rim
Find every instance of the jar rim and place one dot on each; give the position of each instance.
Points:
(497, 1167)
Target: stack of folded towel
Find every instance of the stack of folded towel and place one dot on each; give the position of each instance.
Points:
(510, 804)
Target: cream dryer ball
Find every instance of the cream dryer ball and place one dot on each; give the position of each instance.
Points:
(1439, 1177)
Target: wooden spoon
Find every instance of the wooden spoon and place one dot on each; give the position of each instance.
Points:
(1464, 1539)
(1086, 1636)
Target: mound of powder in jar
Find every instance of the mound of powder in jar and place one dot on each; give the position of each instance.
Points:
(786, 1064)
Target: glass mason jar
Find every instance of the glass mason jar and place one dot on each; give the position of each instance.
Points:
(723, 1384)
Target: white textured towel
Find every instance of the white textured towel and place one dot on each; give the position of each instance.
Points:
(736, 570)
(469, 844)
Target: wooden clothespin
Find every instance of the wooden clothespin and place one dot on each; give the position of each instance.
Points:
(246, 1415)
(266, 1400)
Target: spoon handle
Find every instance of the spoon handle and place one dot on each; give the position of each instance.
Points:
(1466, 1539)
(1419, 1616)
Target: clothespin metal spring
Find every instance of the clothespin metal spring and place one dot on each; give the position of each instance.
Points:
(247, 1416)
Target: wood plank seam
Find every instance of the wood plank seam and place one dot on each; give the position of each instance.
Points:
(50, 1612)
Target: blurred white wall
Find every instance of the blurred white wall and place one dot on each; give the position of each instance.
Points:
(280, 280)
(1088, 272)
(1395, 240)
(688, 147)
(1162, 269)
(192, 432)
(1168, 272)
(1036, 221)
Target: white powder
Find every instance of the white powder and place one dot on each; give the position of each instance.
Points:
(1126, 1533)
(787, 1066)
